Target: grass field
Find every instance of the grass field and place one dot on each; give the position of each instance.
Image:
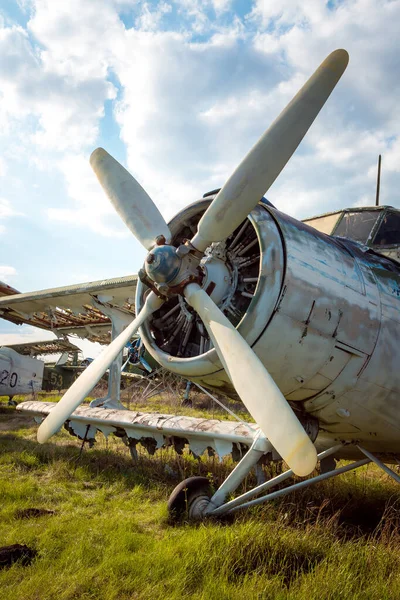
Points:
(109, 536)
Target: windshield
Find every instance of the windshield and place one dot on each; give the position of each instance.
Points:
(325, 223)
(358, 225)
(389, 230)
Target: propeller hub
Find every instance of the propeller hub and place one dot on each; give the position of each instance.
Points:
(163, 264)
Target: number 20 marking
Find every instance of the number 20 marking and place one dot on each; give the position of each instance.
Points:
(13, 378)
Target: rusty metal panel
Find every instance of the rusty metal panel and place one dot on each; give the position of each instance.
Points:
(44, 347)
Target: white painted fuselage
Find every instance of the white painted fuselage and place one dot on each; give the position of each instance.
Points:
(19, 374)
(325, 321)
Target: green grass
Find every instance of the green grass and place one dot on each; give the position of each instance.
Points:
(110, 538)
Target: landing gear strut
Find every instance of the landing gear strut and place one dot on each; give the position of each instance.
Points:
(192, 498)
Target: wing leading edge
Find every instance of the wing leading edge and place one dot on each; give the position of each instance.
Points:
(154, 430)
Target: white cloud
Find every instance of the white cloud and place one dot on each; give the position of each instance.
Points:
(6, 211)
(91, 209)
(77, 36)
(65, 105)
(168, 93)
(150, 20)
(26, 334)
(7, 273)
(289, 13)
(197, 87)
(392, 156)
(221, 6)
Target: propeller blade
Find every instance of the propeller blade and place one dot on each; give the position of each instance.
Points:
(258, 391)
(78, 391)
(132, 203)
(262, 165)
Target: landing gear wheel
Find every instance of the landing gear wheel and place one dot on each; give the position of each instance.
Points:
(190, 499)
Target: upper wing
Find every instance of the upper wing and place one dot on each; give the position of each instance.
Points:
(79, 309)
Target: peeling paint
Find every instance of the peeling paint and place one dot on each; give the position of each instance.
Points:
(155, 430)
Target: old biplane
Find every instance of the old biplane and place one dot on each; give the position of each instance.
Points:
(300, 320)
(22, 372)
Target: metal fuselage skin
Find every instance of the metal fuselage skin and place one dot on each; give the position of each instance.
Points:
(325, 321)
(19, 374)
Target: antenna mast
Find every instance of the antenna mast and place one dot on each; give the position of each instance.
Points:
(378, 181)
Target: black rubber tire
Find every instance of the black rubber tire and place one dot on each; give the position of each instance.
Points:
(184, 494)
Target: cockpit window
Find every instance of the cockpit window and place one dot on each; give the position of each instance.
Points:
(325, 223)
(389, 230)
(357, 225)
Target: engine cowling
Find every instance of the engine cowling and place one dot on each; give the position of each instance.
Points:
(253, 259)
(297, 296)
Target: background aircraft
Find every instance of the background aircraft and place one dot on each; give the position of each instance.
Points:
(21, 372)
(303, 326)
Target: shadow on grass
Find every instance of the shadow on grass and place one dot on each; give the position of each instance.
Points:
(349, 508)
(289, 563)
(11, 420)
(361, 505)
(108, 466)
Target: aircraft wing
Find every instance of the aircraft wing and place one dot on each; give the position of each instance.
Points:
(74, 309)
(44, 347)
(154, 430)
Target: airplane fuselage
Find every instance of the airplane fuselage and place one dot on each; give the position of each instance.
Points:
(324, 318)
(19, 374)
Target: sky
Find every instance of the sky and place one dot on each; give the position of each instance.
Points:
(178, 91)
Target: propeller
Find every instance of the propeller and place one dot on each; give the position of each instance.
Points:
(94, 372)
(132, 203)
(262, 165)
(234, 202)
(255, 386)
